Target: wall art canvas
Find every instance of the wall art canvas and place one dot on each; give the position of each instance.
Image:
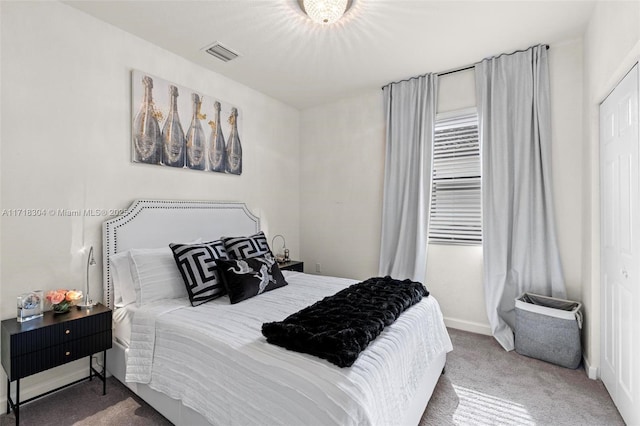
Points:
(174, 126)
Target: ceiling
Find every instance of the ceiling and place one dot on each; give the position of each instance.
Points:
(285, 55)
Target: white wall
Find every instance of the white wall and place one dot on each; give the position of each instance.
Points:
(611, 47)
(565, 63)
(456, 91)
(342, 164)
(341, 178)
(66, 118)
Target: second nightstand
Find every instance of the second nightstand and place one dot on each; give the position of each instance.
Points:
(292, 265)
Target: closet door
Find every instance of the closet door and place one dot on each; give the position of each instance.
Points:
(620, 242)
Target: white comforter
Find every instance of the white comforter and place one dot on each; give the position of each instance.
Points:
(214, 358)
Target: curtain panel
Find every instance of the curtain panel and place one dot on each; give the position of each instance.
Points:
(410, 108)
(519, 238)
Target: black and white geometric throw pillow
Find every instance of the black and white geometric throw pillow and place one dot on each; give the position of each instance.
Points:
(246, 278)
(197, 264)
(246, 247)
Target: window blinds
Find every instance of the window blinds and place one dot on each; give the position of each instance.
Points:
(456, 214)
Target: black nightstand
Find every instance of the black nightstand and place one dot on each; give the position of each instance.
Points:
(55, 339)
(292, 265)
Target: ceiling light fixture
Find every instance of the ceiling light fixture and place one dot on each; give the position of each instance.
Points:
(325, 11)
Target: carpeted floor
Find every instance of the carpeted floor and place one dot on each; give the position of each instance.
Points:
(483, 385)
(84, 405)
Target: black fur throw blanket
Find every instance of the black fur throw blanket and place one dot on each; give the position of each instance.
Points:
(337, 328)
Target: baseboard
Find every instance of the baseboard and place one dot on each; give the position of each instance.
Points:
(27, 392)
(592, 372)
(470, 326)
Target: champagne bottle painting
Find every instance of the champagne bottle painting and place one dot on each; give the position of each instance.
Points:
(147, 138)
(159, 104)
(172, 134)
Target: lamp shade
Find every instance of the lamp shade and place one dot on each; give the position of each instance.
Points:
(325, 11)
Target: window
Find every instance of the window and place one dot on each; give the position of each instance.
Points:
(456, 214)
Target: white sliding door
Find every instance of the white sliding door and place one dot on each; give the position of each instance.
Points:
(620, 242)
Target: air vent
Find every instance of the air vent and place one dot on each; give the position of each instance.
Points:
(221, 52)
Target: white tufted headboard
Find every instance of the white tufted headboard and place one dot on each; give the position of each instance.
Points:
(157, 223)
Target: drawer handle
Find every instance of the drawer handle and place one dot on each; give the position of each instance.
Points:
(67, 331)
(67, 353)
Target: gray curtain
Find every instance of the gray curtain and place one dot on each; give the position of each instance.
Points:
(410, 114)
(519, 238)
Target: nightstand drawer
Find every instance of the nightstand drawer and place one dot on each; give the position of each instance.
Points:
(44, 337)
(37, 361)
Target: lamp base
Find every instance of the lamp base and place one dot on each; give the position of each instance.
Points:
(87, 303)
(83, 306)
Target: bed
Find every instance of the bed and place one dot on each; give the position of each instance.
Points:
(210, 364)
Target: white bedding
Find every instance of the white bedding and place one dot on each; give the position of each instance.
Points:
(122, 323)
(214, 358)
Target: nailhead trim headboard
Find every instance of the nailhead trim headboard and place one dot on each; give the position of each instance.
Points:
(157, 223)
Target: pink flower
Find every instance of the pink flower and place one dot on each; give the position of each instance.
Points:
(58, 296)
(73, 295)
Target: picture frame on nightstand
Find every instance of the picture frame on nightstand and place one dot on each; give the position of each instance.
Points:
(30, 305)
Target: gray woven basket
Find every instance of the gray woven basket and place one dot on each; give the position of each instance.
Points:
(549, 329)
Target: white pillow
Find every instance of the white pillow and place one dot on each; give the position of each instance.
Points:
(155, 275)
(123, 288)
